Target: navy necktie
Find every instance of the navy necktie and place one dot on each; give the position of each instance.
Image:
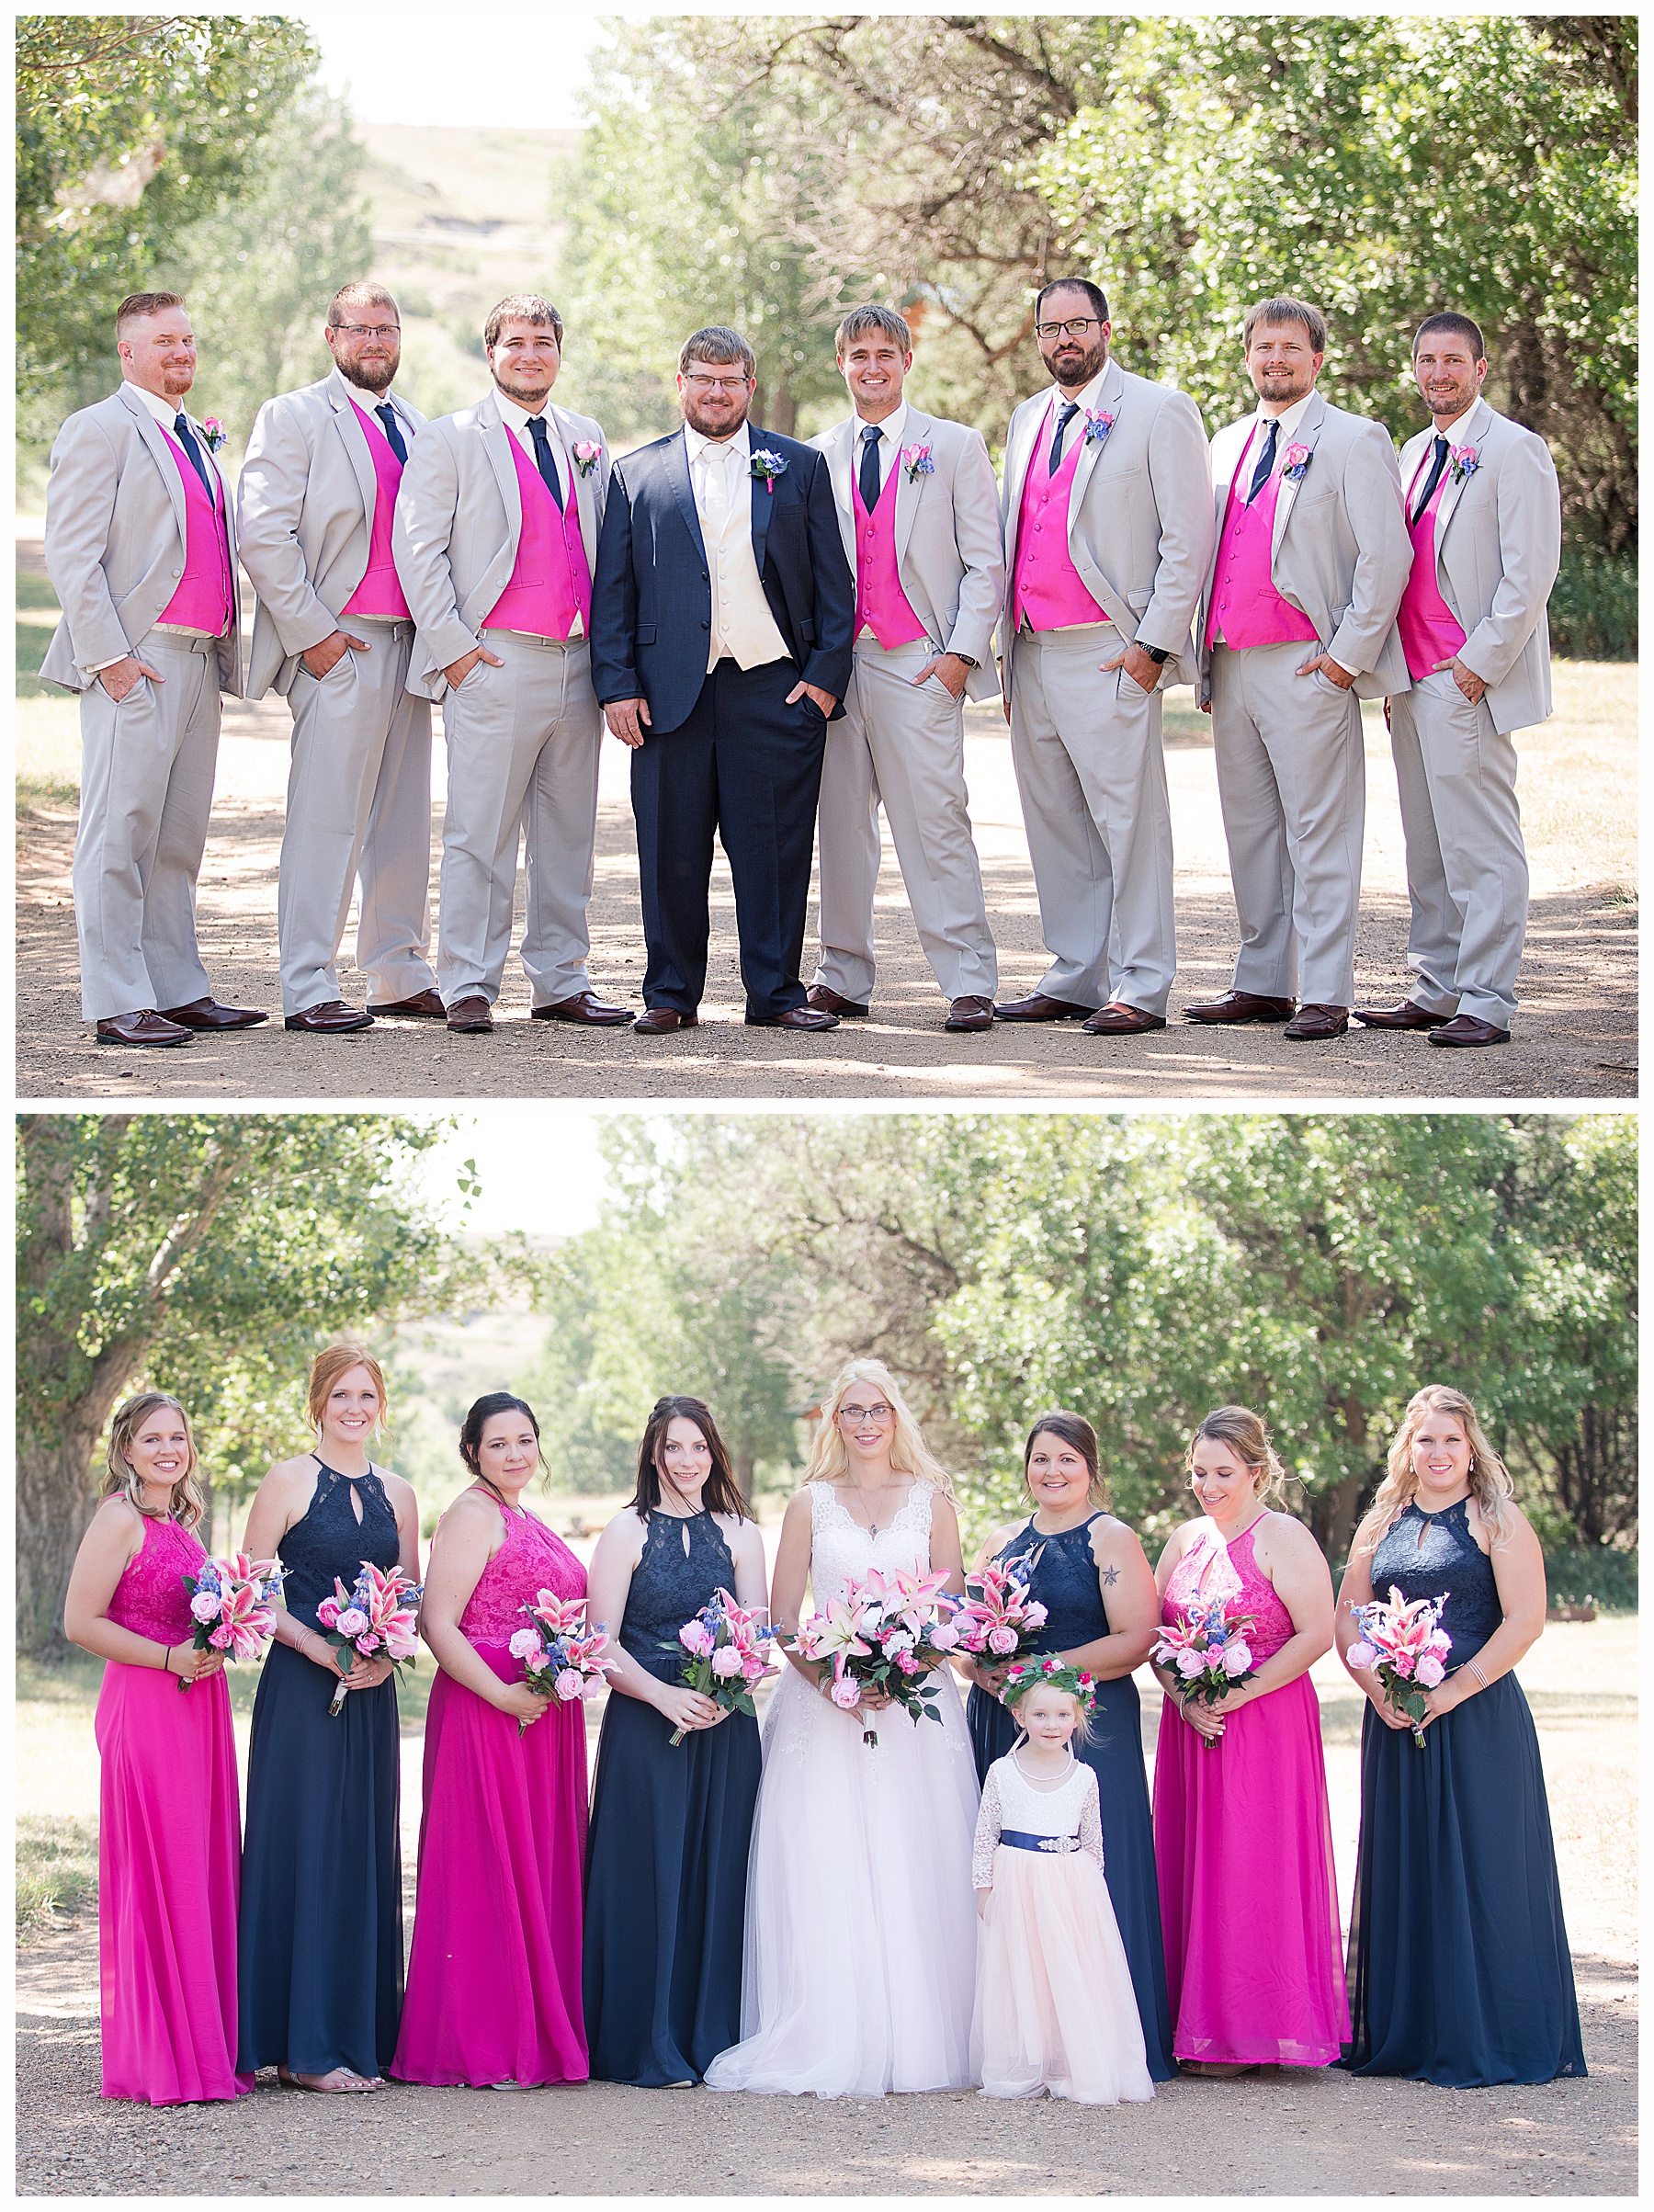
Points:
(543, 460)
(394, 437)
(187, 438)
(1265, 466)
(869, 466)
(1065, 415)
(1434, 477)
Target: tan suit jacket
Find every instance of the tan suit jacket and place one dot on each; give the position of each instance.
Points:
(1140, 520)
(948, 555)
(305, 513)
(115, 537)
(1498, 543)
(1341, 552)
(459, 518)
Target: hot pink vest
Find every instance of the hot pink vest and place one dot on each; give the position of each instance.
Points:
(1246, 606)
(551, 581)
(1429, 632)
(881, 605)
(1046, 587)
(203, 600)
(379, 592)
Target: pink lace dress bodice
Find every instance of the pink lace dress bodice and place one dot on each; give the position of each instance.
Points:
(150, 1598)
(1210, 1568)
(530, 1560)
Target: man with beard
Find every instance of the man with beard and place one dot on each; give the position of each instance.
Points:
(141, 548)
(1106, 515)
(496, 534)
(722, 623)
(1297, 626)
(334, 635)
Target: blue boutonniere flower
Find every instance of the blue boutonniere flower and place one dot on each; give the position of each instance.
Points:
(1297, 459)
(213, 433)
(1463, 462)
(917, 461)
(1097, 425)
(766, 466)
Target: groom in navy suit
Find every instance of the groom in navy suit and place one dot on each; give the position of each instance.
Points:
(722, 618)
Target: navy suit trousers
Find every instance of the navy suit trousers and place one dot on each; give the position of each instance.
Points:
(749, 766)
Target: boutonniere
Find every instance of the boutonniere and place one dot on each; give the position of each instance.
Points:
(1297, 459)
(586, 455)
(1463, 462)
(1097, 425)
(213, 433)
(917, 461)
(766, 466)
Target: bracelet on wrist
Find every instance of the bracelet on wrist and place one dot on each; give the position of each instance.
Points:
(166, 1658)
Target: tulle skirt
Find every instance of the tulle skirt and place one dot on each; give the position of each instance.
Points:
(860, 1956)
(1055, 2006)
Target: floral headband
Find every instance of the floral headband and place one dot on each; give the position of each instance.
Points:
(1048, 1673)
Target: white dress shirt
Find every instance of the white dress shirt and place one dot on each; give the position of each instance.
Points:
(743, 630)
(517, 420)
(891, 431)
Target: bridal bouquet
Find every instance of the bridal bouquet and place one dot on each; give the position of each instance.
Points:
(1209, 1652)
(727, 1656)
(560, 1650)
(1406, 1650)
(998, 1620)
(887, 1632)
(380, 1619)
(229, 1602)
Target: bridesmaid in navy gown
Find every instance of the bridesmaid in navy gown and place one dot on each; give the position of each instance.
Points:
(320, 1903)
(1102, 1613)
(1459, 1970)
(666, 1862)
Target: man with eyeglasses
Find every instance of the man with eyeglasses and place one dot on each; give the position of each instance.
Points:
(497, 537)
(721, 629)
(334, 636)
(1106, 513)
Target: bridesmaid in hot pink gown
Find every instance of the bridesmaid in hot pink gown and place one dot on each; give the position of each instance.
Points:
(1242, 1839)
(494, 1995)
(169, 1807)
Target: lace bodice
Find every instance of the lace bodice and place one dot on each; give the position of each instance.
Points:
(1426, 1554)
(1209, 1569)
(1011, 1800)
(1061, 1575)
(150, 1598)
(842, 1551)
(684, 1561)
(532, 1558)
(330, 1541)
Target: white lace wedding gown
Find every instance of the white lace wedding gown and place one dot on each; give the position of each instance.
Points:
(861, 1926)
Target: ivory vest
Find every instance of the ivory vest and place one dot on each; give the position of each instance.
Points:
(379, 592)
(551, 581)
(1047, 590)
(881, 605)
(1246, 607)
(204, 599)
(1429, 632)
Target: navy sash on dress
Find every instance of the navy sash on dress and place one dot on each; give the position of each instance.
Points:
(1020, 1839)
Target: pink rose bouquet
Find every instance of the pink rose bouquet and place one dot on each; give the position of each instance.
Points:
(997, 1620)
(562, 1653)
(1209, 1653)
(1405, 1648)
(378, 1618)
(887, 1632)
(726, 1654)
(230, 1604)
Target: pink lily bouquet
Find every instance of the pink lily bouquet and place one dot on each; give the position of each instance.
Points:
(562, 1651)
(727, 1656)
(887, 1632)
(229, 1602)
(378, 1618)
(1209, 1653)
(1406, 1649)
(997, 1620)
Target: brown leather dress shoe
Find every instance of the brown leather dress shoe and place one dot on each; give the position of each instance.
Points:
(585, 1007)
(1242, 1007)
(1117, 1019)
(1467, 1029)
(829, 1002)
(661, 1021)
(427, 1006)
(1037, 1007)
(332, 1018)
(144, 1027)
(795, 1017)
(969, 1014)
(1408, 1015)
(207, 1014)
(471, 1016)
(1314, 1024)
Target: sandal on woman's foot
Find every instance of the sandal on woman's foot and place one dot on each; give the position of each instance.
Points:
(1215, 2069)
(340, 2082)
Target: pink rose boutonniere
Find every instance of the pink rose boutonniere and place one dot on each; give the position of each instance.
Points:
(1463, 462)
(766, 466)
(917, 461)
(1097, 425)
(213, 431)
(586, 455)
(1297, 461)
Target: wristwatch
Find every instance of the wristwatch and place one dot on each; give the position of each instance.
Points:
(963, 658)
(1158, 655)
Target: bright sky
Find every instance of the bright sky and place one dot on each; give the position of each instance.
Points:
(442, 64)
(538, 1163)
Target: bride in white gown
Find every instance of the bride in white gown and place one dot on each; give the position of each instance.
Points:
(861, 1926)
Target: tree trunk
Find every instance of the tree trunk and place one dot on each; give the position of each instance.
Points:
(56, 1498)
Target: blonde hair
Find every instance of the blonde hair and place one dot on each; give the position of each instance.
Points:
(1245, 1433)
(325, 1370)
(910, 1454)
(188, 1503)
(1082, 1727)
(1490, 1483)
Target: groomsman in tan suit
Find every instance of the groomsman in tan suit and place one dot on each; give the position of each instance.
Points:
(1296, 627)
(1107, 521)
(1485, 516)
(918, 508)
(496, 540)
(140, 547)
(334, 635)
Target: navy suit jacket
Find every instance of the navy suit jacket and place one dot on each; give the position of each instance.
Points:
(652, 598)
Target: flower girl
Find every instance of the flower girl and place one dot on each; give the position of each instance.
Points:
(1055, 2010)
